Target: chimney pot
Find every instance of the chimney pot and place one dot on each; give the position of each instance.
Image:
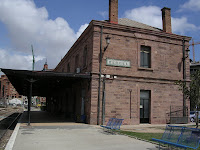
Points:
(166, 19)
(113, 11)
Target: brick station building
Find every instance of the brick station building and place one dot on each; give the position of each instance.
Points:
(136, 71)
(117, 68)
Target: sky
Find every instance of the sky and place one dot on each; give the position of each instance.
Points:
(52, 26)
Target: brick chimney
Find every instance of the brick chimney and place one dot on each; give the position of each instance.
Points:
(45, 66)
(113, 11)
(166, 19)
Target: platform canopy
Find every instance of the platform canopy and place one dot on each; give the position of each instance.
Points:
(43, 82)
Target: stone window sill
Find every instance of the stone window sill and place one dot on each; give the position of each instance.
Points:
(145, 69)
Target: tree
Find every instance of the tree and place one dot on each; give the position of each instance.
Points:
(192, 91)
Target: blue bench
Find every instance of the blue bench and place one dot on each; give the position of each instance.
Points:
(113, 124)
(182, 137)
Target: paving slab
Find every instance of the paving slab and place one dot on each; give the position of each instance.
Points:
(74, 137)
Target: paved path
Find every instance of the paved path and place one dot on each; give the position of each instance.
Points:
(74, 137)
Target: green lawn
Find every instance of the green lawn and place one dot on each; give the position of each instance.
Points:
(145, 136)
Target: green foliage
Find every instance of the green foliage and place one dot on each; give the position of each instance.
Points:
(192, 90)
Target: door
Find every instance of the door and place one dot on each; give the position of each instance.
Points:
(144, 106)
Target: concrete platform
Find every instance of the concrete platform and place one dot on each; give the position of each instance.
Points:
(52, 134)
(74, 137)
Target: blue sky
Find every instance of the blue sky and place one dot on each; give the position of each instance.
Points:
(53, 26)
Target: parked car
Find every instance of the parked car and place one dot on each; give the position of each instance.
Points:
(192, 116)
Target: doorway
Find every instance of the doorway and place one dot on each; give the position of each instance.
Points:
(144, 106)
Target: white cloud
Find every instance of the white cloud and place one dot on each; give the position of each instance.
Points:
(81, 29)
(181, 25)
(104, 14)
(193, 5)
(17, 60)
(151, 15)
(28, 25)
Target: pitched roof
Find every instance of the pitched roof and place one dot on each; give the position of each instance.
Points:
(132, 23)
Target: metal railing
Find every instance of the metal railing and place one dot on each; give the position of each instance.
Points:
(177, 114)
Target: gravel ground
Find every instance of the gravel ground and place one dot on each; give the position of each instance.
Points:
(4, 140)
(5, 112)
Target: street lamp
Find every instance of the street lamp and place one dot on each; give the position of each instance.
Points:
(187, 53)
(107, 42)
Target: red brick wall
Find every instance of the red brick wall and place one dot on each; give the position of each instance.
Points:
(166, 68)
(166, 55)
(9, 91)
(166, 62)
(163, 95)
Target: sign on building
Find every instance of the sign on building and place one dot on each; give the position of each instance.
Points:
(118, 63)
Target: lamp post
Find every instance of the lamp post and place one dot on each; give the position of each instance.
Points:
(100, 73)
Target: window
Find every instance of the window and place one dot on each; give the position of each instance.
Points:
(145, 57)
(85, 57)
(68, 67)
(76, 62)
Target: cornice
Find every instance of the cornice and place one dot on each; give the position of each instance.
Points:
(139, 30)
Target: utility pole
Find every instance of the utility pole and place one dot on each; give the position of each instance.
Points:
(33, 58)
(99, 89)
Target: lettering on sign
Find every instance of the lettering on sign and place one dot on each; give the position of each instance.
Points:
(118, 63)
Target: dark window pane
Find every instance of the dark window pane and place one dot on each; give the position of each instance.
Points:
(141, 59)
(145, 57)
(146, 108)
(144, 94)
(141, 109)
(68, 67)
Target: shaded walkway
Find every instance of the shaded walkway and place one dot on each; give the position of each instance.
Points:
(44, 117)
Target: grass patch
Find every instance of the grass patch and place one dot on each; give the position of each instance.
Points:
(144, 136)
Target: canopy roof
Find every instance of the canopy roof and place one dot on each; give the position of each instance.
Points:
(43, 82)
